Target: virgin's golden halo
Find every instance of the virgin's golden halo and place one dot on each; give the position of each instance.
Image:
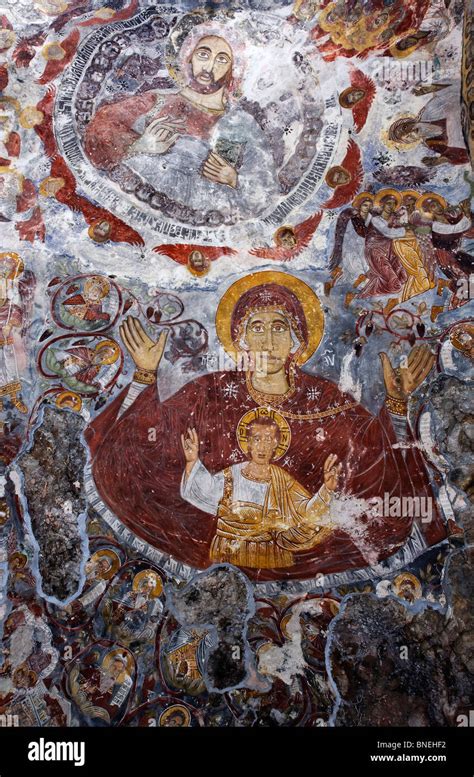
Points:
(309, 301)
(13, 265)
(465, 328)
(264, 412)
(407, 577)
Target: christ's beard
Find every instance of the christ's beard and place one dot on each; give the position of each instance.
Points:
(211, 87)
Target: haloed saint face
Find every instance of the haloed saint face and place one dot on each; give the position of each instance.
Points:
(147, 585)
(104, 356)
(117, 667)
(211, 64)
(409, 202)
(262, 443)
(433, 206)
(268, 334)
(364, 208)
(389, 204)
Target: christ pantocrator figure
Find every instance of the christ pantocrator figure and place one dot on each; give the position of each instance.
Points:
(197, 146)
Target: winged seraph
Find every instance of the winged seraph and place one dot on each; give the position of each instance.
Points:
(345, 178)
(98, 218)
(290, 241)
(358, 97)
(59, 55)
(25, 50)
(197, 258)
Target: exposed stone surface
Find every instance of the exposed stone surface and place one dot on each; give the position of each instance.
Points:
(54, 492)
(393, 666)
(223, 599)
(453, 402)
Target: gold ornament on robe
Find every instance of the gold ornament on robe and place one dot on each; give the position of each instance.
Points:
(266, 537)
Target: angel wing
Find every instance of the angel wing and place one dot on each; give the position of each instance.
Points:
(343, 219)
(73, 10)
(180, 252)
(3, 77)
(55, 67)
(360, 110)
(125, 13)
(27, 199)
(120, 232)
(303, 234)
(25, 50)
(45, 129)
(351, 163)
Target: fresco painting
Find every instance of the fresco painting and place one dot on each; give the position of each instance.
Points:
(236, 360)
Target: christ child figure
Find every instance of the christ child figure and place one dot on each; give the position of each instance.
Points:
(264, 516)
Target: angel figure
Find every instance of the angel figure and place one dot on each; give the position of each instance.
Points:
(290, 241)
(345, 178)
(358, 97)
(196, 258)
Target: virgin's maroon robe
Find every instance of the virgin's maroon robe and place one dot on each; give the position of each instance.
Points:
(139, 479)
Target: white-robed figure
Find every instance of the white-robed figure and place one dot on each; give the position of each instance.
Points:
(264, 514)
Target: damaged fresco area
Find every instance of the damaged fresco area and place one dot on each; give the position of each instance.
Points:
(236, 363)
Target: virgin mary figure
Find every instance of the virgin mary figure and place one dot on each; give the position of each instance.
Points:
(138, 475)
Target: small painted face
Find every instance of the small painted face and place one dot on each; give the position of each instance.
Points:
(269, 334)
(197, 261)
(307, 9)
(410, 135)
(102, 229)
(175, 721)
(262, 443)
(338, 176)
(389, 204)
(211, 62)
(355, 96)
(117, 667)
(409, 202)
(21, 677)
(286, 239)
(94, 290)
(147, 585)
(407, 591)
(104, 356)
(364, 208)
(433, 206)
